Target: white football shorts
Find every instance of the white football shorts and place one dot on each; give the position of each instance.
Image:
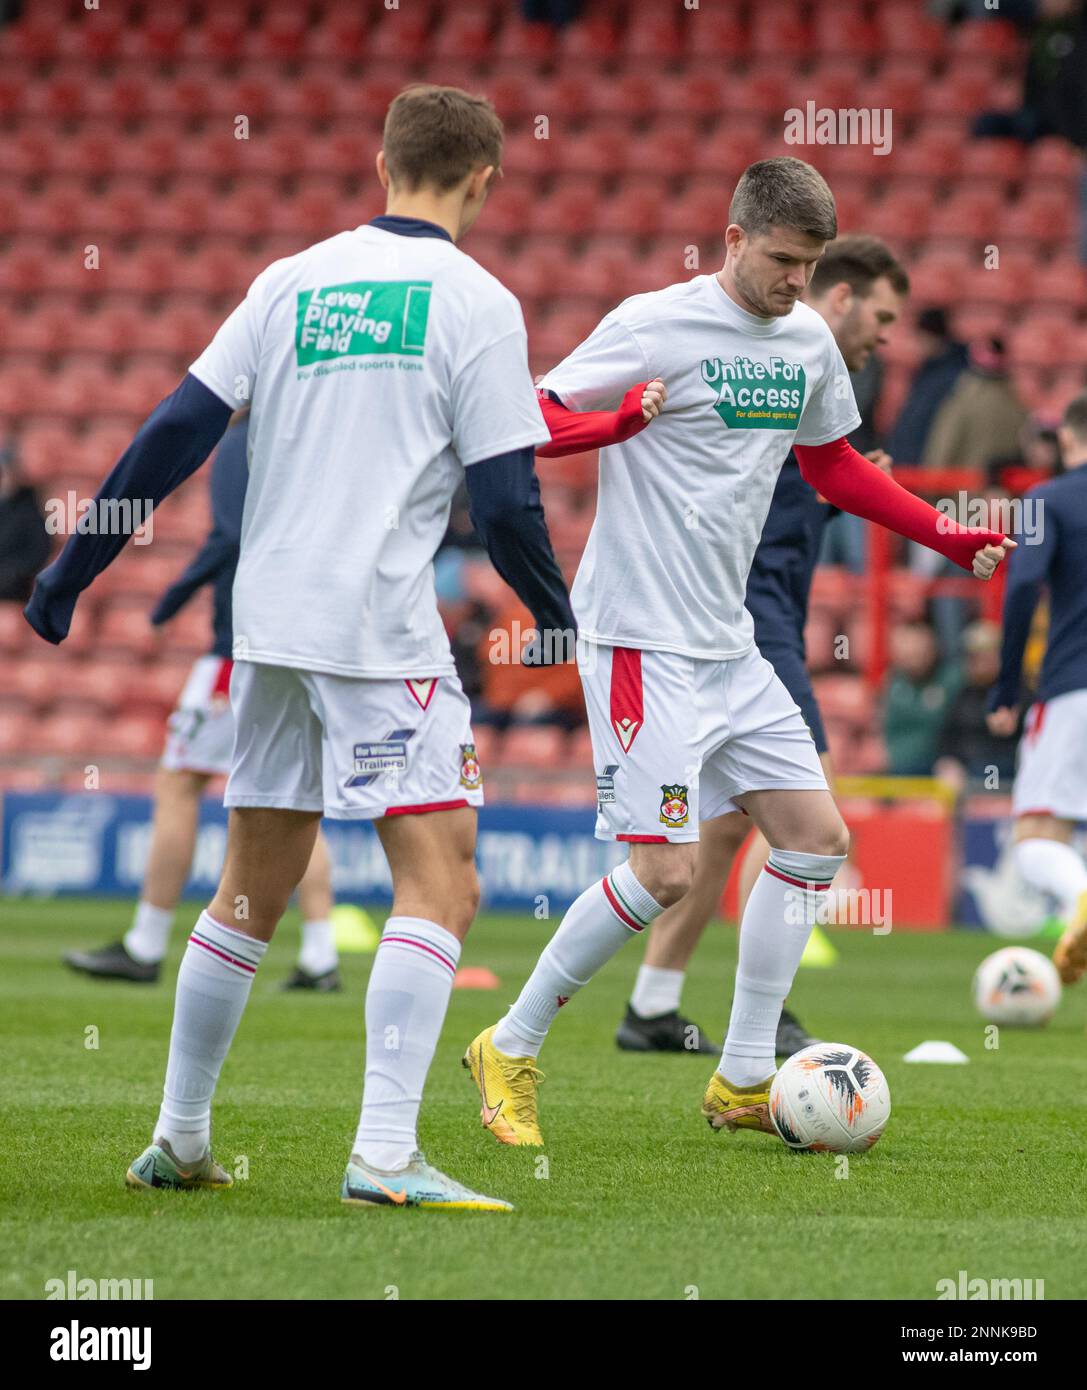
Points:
(354, 749)
(1051, 770)
(675, 739)
(200, 731)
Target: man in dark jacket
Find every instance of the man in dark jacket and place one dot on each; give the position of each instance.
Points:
(24, 541)
(942, 363)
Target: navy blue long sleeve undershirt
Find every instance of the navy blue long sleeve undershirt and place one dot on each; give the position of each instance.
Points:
(169, 447)
(180, 433)
(504, 503)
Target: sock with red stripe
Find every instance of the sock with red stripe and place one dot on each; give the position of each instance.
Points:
(596, 925)
(213, 984)
(777, 922)
(406, 1002)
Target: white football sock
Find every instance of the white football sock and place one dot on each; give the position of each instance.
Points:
(213, 984)
(1052, 867)
(595, 926)
(777, 922)
(406, 1002)
(145, 941)
(657, 991)
(318, 954)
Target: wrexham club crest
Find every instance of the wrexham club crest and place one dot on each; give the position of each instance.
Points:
(471, 775)
(674, 809)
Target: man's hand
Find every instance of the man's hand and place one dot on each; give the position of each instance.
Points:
(989, 556)
(653, 398)
(881, 458)
(1003, 721)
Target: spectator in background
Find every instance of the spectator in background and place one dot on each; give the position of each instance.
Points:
(24, 541)
(1053, 81)
(981, 418)
(919, 694)
(967, 751)
(942, 362)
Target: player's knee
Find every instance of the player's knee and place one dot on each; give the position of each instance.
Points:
(836, 840)
(669, 880)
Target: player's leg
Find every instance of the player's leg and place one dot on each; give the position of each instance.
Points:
(139, 954)
(1046, 859)
(199, 738)
(808, 842)
(317, 967)
(1049, 798)
(792, 1036)
(653, 1022)
(420, 783)
(769, 766)
(275, 796)
(645, 749)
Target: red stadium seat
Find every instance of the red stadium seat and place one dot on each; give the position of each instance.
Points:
(594, 39)
(596, 151)
(339, 33)
(901, 216)
(969, 213)
(990, 37)
(524, 43)
(905, 29)
(637, 208)
(845, 29)
(1043, 340)
(629, 92)
(400, 36)
(1053, 158)
(281, 36)
(464, 34)
(1042, 216)
(901, 83)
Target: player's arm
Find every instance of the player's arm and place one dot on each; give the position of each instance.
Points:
(229, 478)
(504, 502)
(1028, 571)
(851, 482)
(169, 446)
(574, 431)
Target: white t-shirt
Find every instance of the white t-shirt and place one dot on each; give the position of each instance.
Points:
(681, 505)
(379, 367)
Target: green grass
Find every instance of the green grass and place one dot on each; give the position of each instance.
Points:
(982, 1167)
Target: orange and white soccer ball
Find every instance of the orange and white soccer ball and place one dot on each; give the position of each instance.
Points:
(830, 1098)
(1018, 987)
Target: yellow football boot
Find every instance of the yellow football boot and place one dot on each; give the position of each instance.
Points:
(507, 1089)
(737, 1107)
(1070, 955)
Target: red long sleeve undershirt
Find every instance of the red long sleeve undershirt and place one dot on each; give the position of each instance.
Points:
(574, 431)
(836, 470)
(855, 484)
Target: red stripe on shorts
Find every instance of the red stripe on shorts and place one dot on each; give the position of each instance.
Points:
(222, 679)
(627, 707)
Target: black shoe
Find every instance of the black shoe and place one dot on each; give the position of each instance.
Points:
(328, 983)
(792, 1036)
(665, 1033)
(113, 963)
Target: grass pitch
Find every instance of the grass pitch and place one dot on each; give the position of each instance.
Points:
(982, 1167)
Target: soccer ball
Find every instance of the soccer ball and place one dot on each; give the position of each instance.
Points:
(830, 1097)
(1017, 986)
